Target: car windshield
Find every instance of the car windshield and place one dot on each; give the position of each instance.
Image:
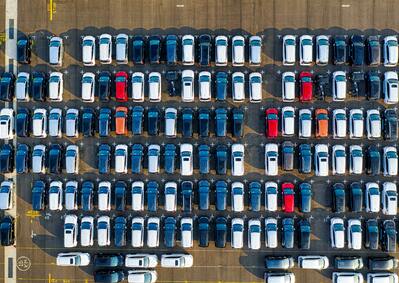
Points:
(37, 152)
(322, 116)
(37, 80)
(204, 78)
(70, 153)
(154, 79)
(338, 227)
(239, 42)
(340, 78)
(86, 225)
(290, 42)
(21, 79)
(239, 79)
(120, 40)
(120, 79)
(306, 42)
(374, 43)
(305, 116)
(357, 116)
(187, 41)
(271, 227)
(272, 116)
(104, 40)
(306, 79)
(120, 114)
(340, 116)
(54, 116)
(87, 42)
(357, 153)
(340, 153)
(356, 228)
(392, 43)
(391, 154)
(374, 117)
(340, 43)
(221, 42)
(37, 116)
(120, 152)
(323, 42)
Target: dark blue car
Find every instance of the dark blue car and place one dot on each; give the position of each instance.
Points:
(220, 232)
(24, 50)
(54, 159)
(153, 121)
(187, 116)
(39, 86)
(88, 122)
(305, 159)
(221, 195)
(38, 195)
(120, 195)
(152, 196)
(104, 158)
(204, 157)
(120, 231)
(204, 115)
(87, 196)
(305, 190)
(169, 158)
(238, 122)
(255, 195)
(154, 49)
(104, 86)
(205, 49)
(203, 194)
(104, 122)
(287, 240)
(187, 194)
(171, 49)
(203, 231)
(138, 50)
(137, 158)
(221, 86)
(22, 158)
(22, 122)
(137, 120)
(373, 160)
(221, 122)
(169, 229)
(221, 159)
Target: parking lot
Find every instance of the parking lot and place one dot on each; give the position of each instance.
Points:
(40, 235)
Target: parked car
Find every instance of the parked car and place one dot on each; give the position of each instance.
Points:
(390, 88)
(288, 230)
(238, 86)
(55, 195)
(271, 192)
(339, 123)
(204, 116)
(39, 122)
(255, 50)
(354, 234)
(373, 48)
(372, 197)
(373, 124)
(55, 123)
(7, 82)
(120, 195)
(86, 201)
(137, 232)
(288, 86)
(373, 160)
(169, 232)
(388, 236)
(238, 50)
(389, 198)
(187, 195)
(137, 196)
(39, 159)
(306, 50)
(305, 191)
(221, 160)
(23, 86)
(221, 48)
(304, 234)
(322, 50)
(203, 229)
(237, 197)
(321, 117)
(56, 86)
(305, 158)
(120, 231)
(220, 122)
(187, 88)
(121, 48)
(188, 49)
(288, 151)
(153, 226)
(254, 234)
(356, 123)
(24, 50)
(38, 195)
(103, 231)
(86, 231)
(289, 50)
(204, 86)
(306, 87)
(338, 160)
(348, 262)
(104, 86)
(39, 86)
(203, 194)
(88, 124)
(272, 126)
(271, 233)
(356, 197)
(288, 121)
(171, 49)
(340, 50)
(121, 79)
(89, 50)
(72, 123)
(22, 123)
(220, 232)
(321, 160)
(72, 159)
(121, 158)
(138, 46)
(137, 84)
(287, 190)
(390, 161)
(390, 124)
(169, 158)
(88, 87)
(186, 230)
(221, 195)
(271, 159)
(390, 51)
(6, 158)
(104, 196)
(70, 231)
(154, 86)
(153, 154)
(221, 85)
(305, 123)
(337, 233)
(237, 233)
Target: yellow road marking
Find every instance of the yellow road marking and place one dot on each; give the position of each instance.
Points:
(32, 213)
(49, 278)
(51, 9)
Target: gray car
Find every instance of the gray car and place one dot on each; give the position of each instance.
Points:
(348, 262)
(288, 152)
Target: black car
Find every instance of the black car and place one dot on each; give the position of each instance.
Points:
(385, 263)
(6, 158)
(109, 276)
(287, 239)
(373, 160)
(220, 232)
(153, 121)
(171, 49)
(338, 196)
(38, 195)
(104, 158)
(305, 191)
(356, 197)
(22, 123)
(357, 50)
(120, 231)
(138, 50)
(22, 158)
(339, 50)
(388, 236)
(187, 117)
(305, 158)
(238, 122)
(39, 86)
(108, 261)
(24, 50)
(7, 231)
(120, 195)
(204, 115)
(204, 49)
(172, 77)
(203, 230)
(358, 84)
(373, 85)
(7, 82)
(322, 86)
(88, 122)
(87, 196)
(221, 159)
(372, 234)
(373, 50)
(104, 86)
(288, 152)
(187, 195)
(154, 49)
(390, 124)
(54, 159)
(304, 234)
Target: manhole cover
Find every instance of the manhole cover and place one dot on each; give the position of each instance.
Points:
(23, 263)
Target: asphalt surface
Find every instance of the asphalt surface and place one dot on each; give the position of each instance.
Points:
(40, 236)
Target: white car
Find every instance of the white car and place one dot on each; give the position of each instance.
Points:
(104, 196)
(186, 159)
(306, 50)
(122, 43)
(70, 231)
(154, 86)
(389, 198)
(153, 232)
(382, 277)
(186, 229)
(372, 197)
(105, 43)
(391, 88)
(271, 192)
(55, 195)
(337, 233)
(154, 152)
(73, 259)
(88, 88)
(271, 233)
(288, 86)
(289, 50)
(138, 196)
(339, 86)
(170, 122)
(356, 123)
(373, 124)
(355, 277)
(55, 86)
(390, 51)
(237, 197)
(238, 50)
(237, 233)
(6, 195)
(141, 260)
(237, 159)
(283, 277)
(138, 87)
(103, 231)
(255, 50)
(313, 262)
(305, 123)
(56, 51)
(121, 156)
(71, 195)
(321, 160)
(339, 124)
(255, 87)
(89, 50)
(322, 50)
(87, 231)
(338, 160)
(354, 234)
(22, 86)
(142, 276)
(187, 88)
(355, 159)
(39, 122)
(72, 159)
(72, 123)
(177, 260)
(137, 232)
(271, 159)
(188, 49)
(39, 159)
(221, 48)
(204, 86)
(55, 123)
(238, 86)
(254, 234)
(170, 196)
(288, 121)
(390, 161)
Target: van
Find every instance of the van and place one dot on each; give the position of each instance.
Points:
(177, 261)
(313, 262)
(142, 276)
(73, 259)
(141, 260)
(286, 277)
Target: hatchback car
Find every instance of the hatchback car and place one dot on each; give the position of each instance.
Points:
(390, 124)
(271, 233)
(321, 117)
(103, 231)
(305, 123)
(70, 231)
(390, 88)
(340, 50)
(24, 50)
(104, 196)
(6, 158)
(372, 197)
(289, 50)
(339, 86)
(54, 159)
(306, 50)
(322, 50)
(187, 88)
(321, 157)
(154, 152)
(121, 79)
(288, 193)
(104, 122)
(121, 158)
(39, 159)
(238, 86)
(237, 233)
(389, 198)
(55, 123)
(255, 50)
(373, 50)
(72, 159)
(304, 234)
(72, 123)
(272, 119)
(154, 86)
(357, 50)
(22, 86)
(121, 118)
(188, 49)
(22, 158)
(221, 49)
(89, 50)
(254, 234)
(306, 87)
(55, 195)
(39, 86)
(288, 86)
(288, 121)
(121, 48)
(104, 86)
(305, 191)
(288, 230)
(355, 159)
(220, 232)
(356, 123)
(39, 122)
(271, 159)
(338, 159)
(204, 86)
(238, 50)
(390, 51)
(138, 45)
(390, 161)
(171, 49)
(337, 233)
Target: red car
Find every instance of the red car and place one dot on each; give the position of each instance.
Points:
(288, 197)
(121, 86)
(305, 79)
(272, 123)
